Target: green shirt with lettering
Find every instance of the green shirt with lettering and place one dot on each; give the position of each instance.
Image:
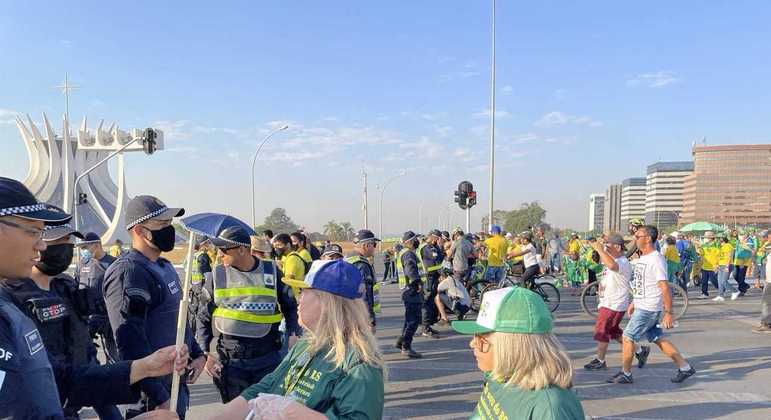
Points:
(509, 402)
(353, 391)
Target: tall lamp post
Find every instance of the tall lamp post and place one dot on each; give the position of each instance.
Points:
(382, 189)
(254, 161)
(492, 126)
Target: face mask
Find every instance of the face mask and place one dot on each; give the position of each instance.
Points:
(164, 238)
(55, 259)
(85, 255)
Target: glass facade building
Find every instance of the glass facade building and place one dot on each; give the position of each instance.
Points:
(730, 184)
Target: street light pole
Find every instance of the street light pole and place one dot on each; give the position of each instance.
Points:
(254, 160)
(492, 127)
(364, 205)
(380, 204)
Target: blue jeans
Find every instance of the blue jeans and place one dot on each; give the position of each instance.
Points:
(555, 262)
(495, 274)
(644, 324)
(722, 280)
(685, 276)
(708, 276)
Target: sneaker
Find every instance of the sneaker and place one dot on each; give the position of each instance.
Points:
(718, 299)
(443, 322)
(398, 344)
(735, 295)
(741, 294)
(683, 375)
(412, 354)
(429, 332)
(703, 296)
(642, 356)
(461, 316)
(620, 378)
(762, 329)
(595, 365)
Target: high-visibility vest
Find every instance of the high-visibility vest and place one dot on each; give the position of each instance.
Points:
(247, 302)
(422, 265)
(375, 285)
(400, 268)
(196, 278)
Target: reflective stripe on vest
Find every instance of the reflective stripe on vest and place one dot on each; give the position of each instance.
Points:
(247, 302)
(422, 265)
(375, 286)
(400, 267)
(196, 278)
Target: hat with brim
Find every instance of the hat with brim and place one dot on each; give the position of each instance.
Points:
(364, 236)
(17, 200)
(332, 276)
(146, 207)
(56, 232)
(260, 245)
(509, 310)
(89, 239)
(232, 237)
(333, 249)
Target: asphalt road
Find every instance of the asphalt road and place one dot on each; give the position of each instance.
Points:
(732, 381)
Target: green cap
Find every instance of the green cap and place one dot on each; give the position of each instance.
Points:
(509, 310)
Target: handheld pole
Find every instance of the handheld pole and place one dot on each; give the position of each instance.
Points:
(182, 318)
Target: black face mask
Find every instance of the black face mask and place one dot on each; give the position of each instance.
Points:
(164, 238)
(55, 259)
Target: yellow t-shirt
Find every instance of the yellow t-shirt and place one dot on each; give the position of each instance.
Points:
(726, 253)
(710, 254)
(574, 246)
(671, 254)
(294, 269)
(513, 249)
(115, 251)
(306, 255)
(496, 250)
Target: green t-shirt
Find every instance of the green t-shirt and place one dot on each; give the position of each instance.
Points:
(353, 391)
(501, 402)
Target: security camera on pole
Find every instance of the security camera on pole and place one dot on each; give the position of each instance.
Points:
(466, 198)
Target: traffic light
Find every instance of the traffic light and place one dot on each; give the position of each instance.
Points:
(472, 199)
(465, 196)
(82, 198)
(460, 198)
(148, 143)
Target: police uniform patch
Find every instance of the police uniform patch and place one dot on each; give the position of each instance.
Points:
(34, 342)
(173, 287)
(269, 280)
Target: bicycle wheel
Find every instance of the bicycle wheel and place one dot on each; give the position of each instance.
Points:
(476, 298)
(679, 300)
(590, 298)
(550, 295)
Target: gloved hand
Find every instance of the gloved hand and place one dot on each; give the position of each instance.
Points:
(277, 407)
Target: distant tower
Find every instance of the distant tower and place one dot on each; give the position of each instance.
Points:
(56, 161)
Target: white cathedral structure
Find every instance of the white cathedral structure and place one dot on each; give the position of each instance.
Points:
(55, 162)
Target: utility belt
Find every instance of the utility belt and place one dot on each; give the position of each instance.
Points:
(230, 347)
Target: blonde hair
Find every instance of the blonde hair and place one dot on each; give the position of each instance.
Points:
(345, 323)
(530, 361)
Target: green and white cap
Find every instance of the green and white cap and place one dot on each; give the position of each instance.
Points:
(509, 310)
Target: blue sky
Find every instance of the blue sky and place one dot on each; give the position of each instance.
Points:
(588, 94)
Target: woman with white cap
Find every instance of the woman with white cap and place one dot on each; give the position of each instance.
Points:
(528, 374)
(336, 370)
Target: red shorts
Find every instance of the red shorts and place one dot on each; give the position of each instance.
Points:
(607, 326)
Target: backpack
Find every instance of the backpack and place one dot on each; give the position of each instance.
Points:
(315, 253)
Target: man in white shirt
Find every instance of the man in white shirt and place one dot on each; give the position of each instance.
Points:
(615, 295)
(451, 296)
(651, 294)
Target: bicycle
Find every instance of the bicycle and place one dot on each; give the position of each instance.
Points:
(545, 288)
(590, 299)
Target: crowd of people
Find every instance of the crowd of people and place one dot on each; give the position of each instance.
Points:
(286, 329)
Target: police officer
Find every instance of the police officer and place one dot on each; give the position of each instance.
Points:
(410, 283)
(430, 262)
(201, 272)
(365, 244)
(142, 293)
(28, 388)
(249, 300)
(90, 278)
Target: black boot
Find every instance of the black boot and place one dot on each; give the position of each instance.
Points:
(412, 354)
(399, 342)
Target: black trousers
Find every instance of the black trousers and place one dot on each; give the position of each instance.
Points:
(239, 374)
(528, 277)
(430, 313)
(387, 270)
(413, 304)
(740, 275)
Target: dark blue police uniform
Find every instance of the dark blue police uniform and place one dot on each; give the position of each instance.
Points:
(90, 279)
(142, 299)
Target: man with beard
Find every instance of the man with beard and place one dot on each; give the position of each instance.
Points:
(142, 293)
